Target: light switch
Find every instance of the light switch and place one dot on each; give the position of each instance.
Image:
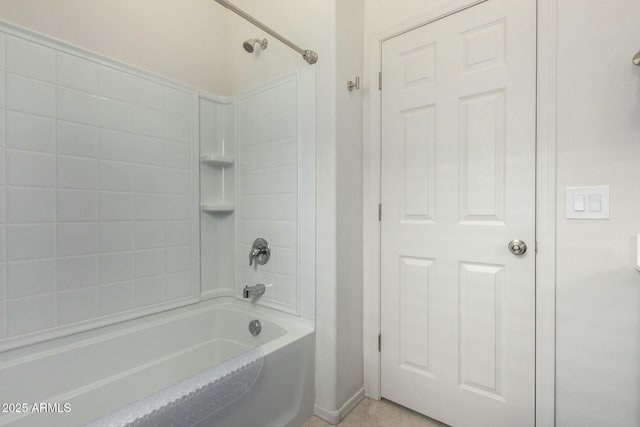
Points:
(578, 203)
(595, 202)
(588, 202)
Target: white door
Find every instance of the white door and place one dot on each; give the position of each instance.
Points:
(458, 184)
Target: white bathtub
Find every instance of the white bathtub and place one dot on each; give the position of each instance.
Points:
(95, 373)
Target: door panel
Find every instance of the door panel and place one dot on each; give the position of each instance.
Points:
(458, 183)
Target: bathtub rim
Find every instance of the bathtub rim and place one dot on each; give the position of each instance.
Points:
(294, 326)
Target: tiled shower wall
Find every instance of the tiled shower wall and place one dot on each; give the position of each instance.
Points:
(97, 194)
(268, 189)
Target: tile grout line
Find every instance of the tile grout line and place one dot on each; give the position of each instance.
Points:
(98, 194)
(56, 286)
(4, 332)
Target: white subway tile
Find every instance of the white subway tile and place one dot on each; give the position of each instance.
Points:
(176, 128)
(77, 73)
(116, 297)
(148, 122)
(177, 207)
(148, 179)
(118, 146)
(177, 259)
(115, 176)
(30, 96)
(177, 102)
(31, 169)
(77, 140)
(77, 173)
(3, 205)
(116, 84)
(3, 320)
(28, 132)
(3, 90)
(287, 262)
(149, 207)
(149, 235)
(3, 283)
(285, 234)
(3, 166)
(116, 267)
(2, 51)
(248, 231)
(31, 314)
(266, 230)
(178, 285)
(269, 181)
(116, 236)
(284, 207)
(3, 255)
(148, 150)
(27, 278)
(76, 206)
(77, 239)
(248, 134)
(286, 99)
(116, 115)
(78, 107)
(116, 206)
(3, 126)
(30, 241)
(77, 272)
(77, 305)
(149, 290)
(283, 289)
(31, 205)
(177, 155)
(176, 181)
(30, 59)
(149, 262)
(148, 94)
(177, 233)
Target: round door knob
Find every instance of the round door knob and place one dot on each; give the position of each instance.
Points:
(517, 247)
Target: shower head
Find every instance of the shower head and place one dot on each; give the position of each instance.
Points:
(250, 44)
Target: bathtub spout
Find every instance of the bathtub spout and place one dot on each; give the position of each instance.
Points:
(253, 291)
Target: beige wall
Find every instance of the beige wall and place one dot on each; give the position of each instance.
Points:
(598, 291)
(142, 33)
(350, 45)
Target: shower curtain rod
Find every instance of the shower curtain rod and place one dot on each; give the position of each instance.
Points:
(310, 56)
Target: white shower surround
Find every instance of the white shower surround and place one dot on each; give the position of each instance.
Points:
(98, 191)
(73, 362)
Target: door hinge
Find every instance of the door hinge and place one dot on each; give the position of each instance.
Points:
(379, 211)
(380, 80)
(379, 342)
(536, 246)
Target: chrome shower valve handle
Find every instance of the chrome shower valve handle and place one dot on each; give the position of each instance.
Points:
(260, 252)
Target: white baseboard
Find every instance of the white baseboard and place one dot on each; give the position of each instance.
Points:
(351, 403)
(334, 417)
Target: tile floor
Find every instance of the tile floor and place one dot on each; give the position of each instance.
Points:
(379, 413)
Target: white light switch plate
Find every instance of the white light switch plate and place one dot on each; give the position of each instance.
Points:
(588, 202)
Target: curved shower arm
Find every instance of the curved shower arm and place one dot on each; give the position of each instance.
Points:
(310, 56)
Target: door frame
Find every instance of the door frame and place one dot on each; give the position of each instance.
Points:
(545, 270)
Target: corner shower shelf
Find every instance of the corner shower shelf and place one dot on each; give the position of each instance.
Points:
(214, 160)
(217, 207)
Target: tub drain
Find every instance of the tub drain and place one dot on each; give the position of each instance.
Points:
(255, 327)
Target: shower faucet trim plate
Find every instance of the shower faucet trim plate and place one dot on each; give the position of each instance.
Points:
(260, 252)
